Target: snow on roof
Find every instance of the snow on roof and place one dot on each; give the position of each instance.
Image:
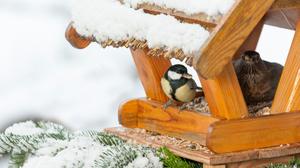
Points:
(209, 7)
(110, 20)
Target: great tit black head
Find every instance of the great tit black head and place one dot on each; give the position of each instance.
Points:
(251, 57)
(177, 72)
(178, 85)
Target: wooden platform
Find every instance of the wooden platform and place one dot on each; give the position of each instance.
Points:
(199, 153)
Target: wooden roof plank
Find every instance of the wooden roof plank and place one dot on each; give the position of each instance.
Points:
(200, 18)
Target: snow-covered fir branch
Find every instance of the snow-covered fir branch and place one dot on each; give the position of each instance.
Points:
(49, 145)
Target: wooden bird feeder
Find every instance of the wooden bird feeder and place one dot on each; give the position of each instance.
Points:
(228, 128)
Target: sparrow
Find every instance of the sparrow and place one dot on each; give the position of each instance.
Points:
(179, 85)
(258, 78)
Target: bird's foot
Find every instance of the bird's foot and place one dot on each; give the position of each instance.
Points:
(197, 100)
(183, 106)
(167, 104)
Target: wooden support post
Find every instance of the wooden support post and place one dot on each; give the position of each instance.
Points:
(287, 96)
(224, 96)
(150, 70)
(252, 40)
(229, 35)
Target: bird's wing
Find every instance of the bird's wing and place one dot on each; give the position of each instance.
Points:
(192, 84)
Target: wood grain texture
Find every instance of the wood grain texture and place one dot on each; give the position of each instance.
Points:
(75, 39)
(287, 97)
(262, 163)
(236, 158)
(212, 166)
(200, 18)
(284, 4)
(150, 70)
(224, 96)
(150, 115)
(253, 133)
(229, 35)
(252, 40)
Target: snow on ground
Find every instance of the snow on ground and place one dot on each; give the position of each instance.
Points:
(99, 19)
(209, 7)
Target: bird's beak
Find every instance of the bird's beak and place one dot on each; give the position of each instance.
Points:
(188, 76)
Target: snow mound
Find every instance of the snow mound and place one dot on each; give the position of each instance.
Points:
(209, 7)
(110, 20)
(25, 128)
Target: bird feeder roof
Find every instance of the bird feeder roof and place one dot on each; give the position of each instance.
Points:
(203, 33)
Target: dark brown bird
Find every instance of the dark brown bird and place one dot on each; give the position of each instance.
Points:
(258, 78)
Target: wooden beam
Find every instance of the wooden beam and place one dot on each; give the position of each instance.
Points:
(75, 39)
(203, 155)
(224, 96)
(285, 18)
(254, 133)
(287, 96)
(229, 35)
(262, 162)
(150, 70)
(285, 4)
(252, 40)
(150, 115)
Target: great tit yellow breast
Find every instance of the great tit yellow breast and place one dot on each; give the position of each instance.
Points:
(185, 93)
(165, 84)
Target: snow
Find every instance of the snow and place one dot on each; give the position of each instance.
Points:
(99, 19)
(25, 128)
(209, 7)
(79, 152)
(150, 161)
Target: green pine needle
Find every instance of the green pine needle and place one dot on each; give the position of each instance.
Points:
(294, 163)
(170, 160)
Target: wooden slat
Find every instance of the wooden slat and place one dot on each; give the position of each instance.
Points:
(200, 18)
(212, 166)
(75, 39)
(284, 18)
(287, 96)
(150, 70)
(253, 133)
(224, 96)
(262, 163)
(252, 40)
(203, 156)
(284, 4)
(229, 35)
(150, 115)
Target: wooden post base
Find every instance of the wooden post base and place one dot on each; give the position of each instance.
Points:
(256, 158)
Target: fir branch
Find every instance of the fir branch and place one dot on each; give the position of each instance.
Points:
(105, 139)
(170, 160)
(116, 157)
(294, 163)
(17, 159)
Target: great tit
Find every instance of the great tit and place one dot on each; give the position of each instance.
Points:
(179, 85)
